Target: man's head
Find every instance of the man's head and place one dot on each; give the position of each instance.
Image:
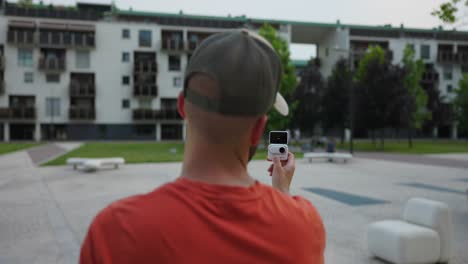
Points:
(232, 80)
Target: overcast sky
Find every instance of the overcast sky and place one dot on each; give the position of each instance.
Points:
(412, 13)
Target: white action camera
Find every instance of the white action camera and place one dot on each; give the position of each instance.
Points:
(278, 145)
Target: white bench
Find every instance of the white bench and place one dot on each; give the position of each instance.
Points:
(328, 156)
(422, 236)
(92, 164)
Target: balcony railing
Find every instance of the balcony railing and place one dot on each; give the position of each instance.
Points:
(66, 39)
(359, 53)
(172, 44)
(82, 89)
(446, 57)
(2, 62)
(145, 67)
(62, 13)
(21, 37)
(430, 77)
(151, 114)
(4, 113)
(145, 90)
(22, 113)
(52, 64)
(2, 87)
(193, 44)
(462, 57)
(81, 113)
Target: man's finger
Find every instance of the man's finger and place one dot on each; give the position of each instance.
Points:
(290, 159)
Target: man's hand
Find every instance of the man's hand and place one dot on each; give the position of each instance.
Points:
(282, 173)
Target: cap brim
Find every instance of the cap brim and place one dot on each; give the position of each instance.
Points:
(280, 105)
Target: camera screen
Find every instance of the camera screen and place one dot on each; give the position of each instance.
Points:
(279, 137)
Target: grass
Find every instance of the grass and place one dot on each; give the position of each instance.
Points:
(419, 146)
(11, 147)
(135, 152)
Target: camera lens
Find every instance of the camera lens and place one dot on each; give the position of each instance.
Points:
(282, 150)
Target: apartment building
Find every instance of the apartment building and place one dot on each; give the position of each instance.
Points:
(96, 72)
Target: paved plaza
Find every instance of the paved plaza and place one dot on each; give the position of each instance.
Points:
(45, 211)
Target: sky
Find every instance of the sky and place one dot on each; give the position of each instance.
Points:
(411, 13)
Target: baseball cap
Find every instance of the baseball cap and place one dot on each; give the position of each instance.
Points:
(246, 69)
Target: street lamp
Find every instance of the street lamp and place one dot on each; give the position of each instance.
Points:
(351, 97)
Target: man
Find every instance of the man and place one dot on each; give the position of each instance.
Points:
(215, 212)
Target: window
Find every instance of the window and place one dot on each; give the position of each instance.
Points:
(411, 46)
(174, 63)
(25, 57)
(448, 74)
(52, 78)
(145, 103)
(425, 52)
(125, 33)
(171, 132)
(52, 106)
(82, 59)
(126, 80)
(125, 56)
(144, 38)
(28, 77)
(449, 88)
(177, 82)
(125, 103)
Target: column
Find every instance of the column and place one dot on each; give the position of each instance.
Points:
(454, 130)
(37, 132)
(158, 131)
(6, 132)
(435, 132)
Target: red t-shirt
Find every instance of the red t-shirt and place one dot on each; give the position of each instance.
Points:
(193, 222)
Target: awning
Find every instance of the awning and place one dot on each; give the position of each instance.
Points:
(22, 24)
(55, 26)
(81, 27)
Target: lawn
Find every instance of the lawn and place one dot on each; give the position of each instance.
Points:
(135, 152)
(419, 146)
(11, 147)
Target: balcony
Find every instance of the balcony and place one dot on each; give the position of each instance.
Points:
(151, 115)
(12, 9)
(145, 90)
(145, 67)
(20, 37)
(2, 62)
(446, 56)
(172, 44)
(430, 77)
(4, 113)
(462, 57)
(81, 89)
(52, 64)
(66, 39)
(81, 113)
(22, 113)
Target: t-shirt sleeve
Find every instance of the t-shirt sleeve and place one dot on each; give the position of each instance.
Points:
(105, 241)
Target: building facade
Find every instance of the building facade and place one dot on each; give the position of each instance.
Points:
(95, 72)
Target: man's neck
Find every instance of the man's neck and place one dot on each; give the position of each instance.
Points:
(214, 165)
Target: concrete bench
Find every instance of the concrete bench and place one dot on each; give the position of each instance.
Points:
(92, 164)
(310, 156)
(422, 236)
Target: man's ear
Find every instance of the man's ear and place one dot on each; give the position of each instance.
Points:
(181, 104)
(258, 129)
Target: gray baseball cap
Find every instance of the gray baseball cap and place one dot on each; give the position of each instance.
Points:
(247, 72)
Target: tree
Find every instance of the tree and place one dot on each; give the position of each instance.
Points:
(308, 96)
(380, 92)
(461, 104)
(415, 105)
(288, 80)
(336, 98)
(446, 11)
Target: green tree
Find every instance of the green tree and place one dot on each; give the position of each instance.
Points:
(416, 104)
(461, 104)
(288, 81)
(336, 98)
(380, 93)
(446, 11)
